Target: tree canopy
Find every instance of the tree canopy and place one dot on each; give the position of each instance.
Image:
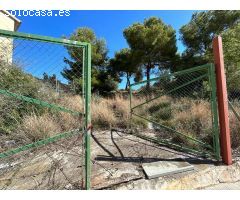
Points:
(231, 45)
(152, 47)
(73, 73)
(198, 34)
(153, 42)
(125, 63)
(231, 48)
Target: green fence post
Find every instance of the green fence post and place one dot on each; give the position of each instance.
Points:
(212, 80)
(130, 106)
(87, 83)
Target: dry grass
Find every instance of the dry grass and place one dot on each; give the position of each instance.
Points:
(194, 121)
(38, 127)
(192, 117)
(186, 115)
(119, 106)
(235, 130)
(235, 125)
(72, 102)
(105, 113)
(68, 122)
(102, 114)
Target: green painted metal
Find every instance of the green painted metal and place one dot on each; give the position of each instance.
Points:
(176, 132)
(130, 106)
(19, 35)
(212, 81)
(170, 91)
(83, 130)
(86, 94)
(175, 146)
(39, 143)
(211, 151)
(88, 126)
(194, 69)
(38, 102)
(234, 111)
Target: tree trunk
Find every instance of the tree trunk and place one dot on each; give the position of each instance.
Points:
(148, 91)
(148, 77)
(128, 82)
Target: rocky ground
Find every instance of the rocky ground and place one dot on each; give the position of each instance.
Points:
(225, 186)
(117, 160)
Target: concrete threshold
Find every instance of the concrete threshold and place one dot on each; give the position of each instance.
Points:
(199, 178)
(161, 168)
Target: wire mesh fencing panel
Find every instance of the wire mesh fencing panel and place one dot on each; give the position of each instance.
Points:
(178, 110)
(43, 89)
(234, 107)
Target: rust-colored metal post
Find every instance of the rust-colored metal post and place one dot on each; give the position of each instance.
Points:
(225, 139)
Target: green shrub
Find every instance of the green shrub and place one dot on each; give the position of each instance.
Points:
(13, 79)
(156, 107)
(163, 114)
(185, 142)
(168, 123)
(139, 123)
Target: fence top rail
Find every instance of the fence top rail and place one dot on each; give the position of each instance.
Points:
(198, 68)
(20, 35)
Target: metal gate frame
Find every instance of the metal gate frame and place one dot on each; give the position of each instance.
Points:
(210, 72)
(86, 96)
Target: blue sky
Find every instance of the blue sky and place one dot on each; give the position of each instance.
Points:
(106, 24)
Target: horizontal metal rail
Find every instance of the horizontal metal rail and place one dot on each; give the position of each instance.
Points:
(39, 143)
(170, 91)
(38, 102)
(176, 132)
(199, 68)
(11, 34)
(173, 145)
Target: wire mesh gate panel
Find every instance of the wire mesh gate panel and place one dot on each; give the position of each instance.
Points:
(178, 110)
(43, 103)
(234, 108)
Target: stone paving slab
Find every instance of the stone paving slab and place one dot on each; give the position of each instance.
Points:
(161, 168)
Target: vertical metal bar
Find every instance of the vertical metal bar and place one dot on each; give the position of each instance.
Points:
(84, 80)
(130, 104)
(212, 81)
(83, 119)
(225, 139)
(88, 125)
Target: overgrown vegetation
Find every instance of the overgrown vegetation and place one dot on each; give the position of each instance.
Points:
(152, 49)
(26, 122)
(13, 79)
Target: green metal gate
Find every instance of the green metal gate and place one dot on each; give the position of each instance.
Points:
(178, 110)
(38, 105)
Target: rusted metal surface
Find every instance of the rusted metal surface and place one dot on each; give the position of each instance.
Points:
(225, 140)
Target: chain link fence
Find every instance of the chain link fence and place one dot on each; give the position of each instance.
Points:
(178, 110)
(232, 78)
(43, 107)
